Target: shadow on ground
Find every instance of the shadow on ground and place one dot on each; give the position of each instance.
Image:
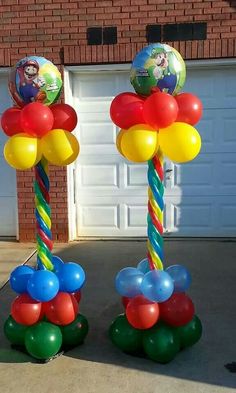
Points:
(213, 268)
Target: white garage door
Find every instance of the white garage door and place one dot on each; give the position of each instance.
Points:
(111, 193)
(8, 214)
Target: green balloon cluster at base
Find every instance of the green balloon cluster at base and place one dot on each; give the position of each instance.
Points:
(191, 333)
(124, 336)
(75, 333)
(43, 340)
(14, 332)
(161, 343)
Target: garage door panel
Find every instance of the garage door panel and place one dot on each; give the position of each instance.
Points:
(216, 87)
(208, 174)
(105, 217)
(217, 130)
(8, 210)
(228, 216)
(100, 175)
(88, 87)
(7, 181)
(97, 133)
(8, 216)
(99, 216)
(100, 86)
(199, 216)
(136, 216)
(136, 175)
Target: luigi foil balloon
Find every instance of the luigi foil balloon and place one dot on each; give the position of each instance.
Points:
(160, 66)
(35, 79)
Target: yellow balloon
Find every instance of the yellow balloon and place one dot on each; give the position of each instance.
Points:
(60, 147)
(180, 142)
(22, 151)
(118, 141)
(139, 143)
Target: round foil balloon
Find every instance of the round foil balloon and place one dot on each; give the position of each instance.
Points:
(35, 79)
(158, 65)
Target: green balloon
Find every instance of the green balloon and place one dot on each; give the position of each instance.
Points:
(75, 333)
(124, 336)
(43, 340)
(191, 333)
(161, 343)
(14, 332)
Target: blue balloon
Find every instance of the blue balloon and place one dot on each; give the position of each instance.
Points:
(144, 266)
(19, 278)
(71, 277)
(128, 282)
(180, 276)
(43, 285)
(157, 286)
(57, 263)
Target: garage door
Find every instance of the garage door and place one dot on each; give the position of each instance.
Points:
(8, 214)
(111, 193)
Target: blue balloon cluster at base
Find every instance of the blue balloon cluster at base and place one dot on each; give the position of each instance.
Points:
(155, 285)
(43, 285)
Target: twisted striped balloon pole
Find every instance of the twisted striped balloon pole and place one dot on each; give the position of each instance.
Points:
(155, 211)
(43, 216)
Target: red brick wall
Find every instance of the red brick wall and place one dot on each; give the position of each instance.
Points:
(58, 203)
(57, 30)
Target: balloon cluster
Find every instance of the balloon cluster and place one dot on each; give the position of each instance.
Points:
(35, 129)
(159, 121)
(159, 317)
(157, 117)
(45, 315)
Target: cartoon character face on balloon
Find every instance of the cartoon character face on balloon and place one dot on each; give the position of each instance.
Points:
(35, 79)
(158, 65)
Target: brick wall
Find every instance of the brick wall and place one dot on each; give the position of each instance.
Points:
(57, 30)
(58, 203)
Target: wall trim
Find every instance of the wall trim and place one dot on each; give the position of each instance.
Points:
(125, 67)
(70, 168)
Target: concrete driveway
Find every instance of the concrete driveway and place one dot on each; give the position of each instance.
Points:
(99, 367)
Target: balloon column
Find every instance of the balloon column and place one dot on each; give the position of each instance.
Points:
(45, 315)
(158, 121)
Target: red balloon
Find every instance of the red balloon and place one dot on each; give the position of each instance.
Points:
(65, 117)
(26, 310)
(160, 110)
(77, 296)
(10, 121)
(36, 119)
(125, 301)
(141, 312)
(61, 310)
(127, 110)
(178, 310)
(190, 108)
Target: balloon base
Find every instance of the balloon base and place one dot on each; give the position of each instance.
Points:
(160, 343)
(22, 349)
